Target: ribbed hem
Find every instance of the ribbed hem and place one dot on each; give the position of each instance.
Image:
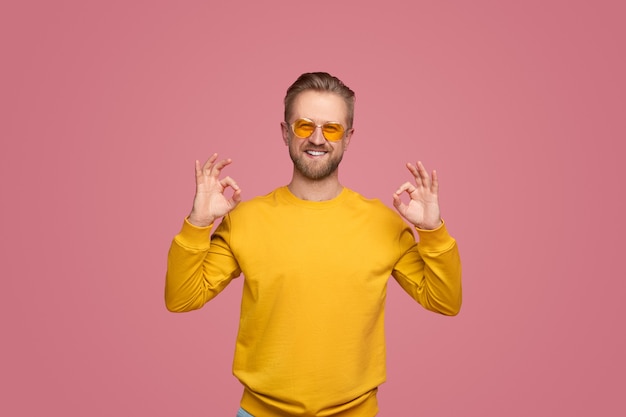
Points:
(194, 237)
(259, 406)
(436, 240)
(284, 194)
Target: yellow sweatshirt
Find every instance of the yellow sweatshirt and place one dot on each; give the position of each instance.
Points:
(311, 336)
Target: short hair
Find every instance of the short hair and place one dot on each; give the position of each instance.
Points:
(324, 82)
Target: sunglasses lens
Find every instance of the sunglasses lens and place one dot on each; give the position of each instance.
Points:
(303, 128)
(333, 131)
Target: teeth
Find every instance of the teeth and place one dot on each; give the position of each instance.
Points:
(315, 153)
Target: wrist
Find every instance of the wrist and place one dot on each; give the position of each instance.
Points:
(430, 226)
(199, 222)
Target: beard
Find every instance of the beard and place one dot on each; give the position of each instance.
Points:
(314, 170)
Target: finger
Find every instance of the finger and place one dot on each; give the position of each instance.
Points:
(412, 170)
(209, 163)
(229, 182)
(217, 168)
(407, 186)
(236, 198)
(435, 183)
(397, 202)
(423, 175)
(417, 170)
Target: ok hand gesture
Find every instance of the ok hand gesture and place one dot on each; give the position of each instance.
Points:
(423, 208)
(210, 202)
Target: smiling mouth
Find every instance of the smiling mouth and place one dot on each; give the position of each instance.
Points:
(315, 153)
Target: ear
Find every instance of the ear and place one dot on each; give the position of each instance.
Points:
(346, 140)
(285, 132)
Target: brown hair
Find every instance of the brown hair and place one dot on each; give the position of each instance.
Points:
(320, 81)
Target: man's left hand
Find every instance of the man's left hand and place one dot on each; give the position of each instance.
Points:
(423, 208)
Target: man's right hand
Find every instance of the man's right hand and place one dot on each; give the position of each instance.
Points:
(210, 203)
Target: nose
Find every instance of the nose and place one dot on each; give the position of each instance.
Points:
(317, 137)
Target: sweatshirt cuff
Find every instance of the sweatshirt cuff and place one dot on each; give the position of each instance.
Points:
(435, 240)
(194, 237)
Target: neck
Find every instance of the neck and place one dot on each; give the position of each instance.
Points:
(315, 190)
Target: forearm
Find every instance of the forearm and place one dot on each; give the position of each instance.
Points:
(193, 275)
(442, 291)
(433, 276)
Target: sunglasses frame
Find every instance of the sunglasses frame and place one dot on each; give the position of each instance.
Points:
(343, 134)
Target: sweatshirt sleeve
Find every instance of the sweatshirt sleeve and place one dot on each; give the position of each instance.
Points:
(430, 271)
(199, 266)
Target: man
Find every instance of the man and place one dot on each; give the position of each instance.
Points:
(316, 258)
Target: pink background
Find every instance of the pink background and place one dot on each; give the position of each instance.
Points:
(518, 105)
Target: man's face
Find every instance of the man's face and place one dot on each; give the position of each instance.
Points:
(314, 157)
